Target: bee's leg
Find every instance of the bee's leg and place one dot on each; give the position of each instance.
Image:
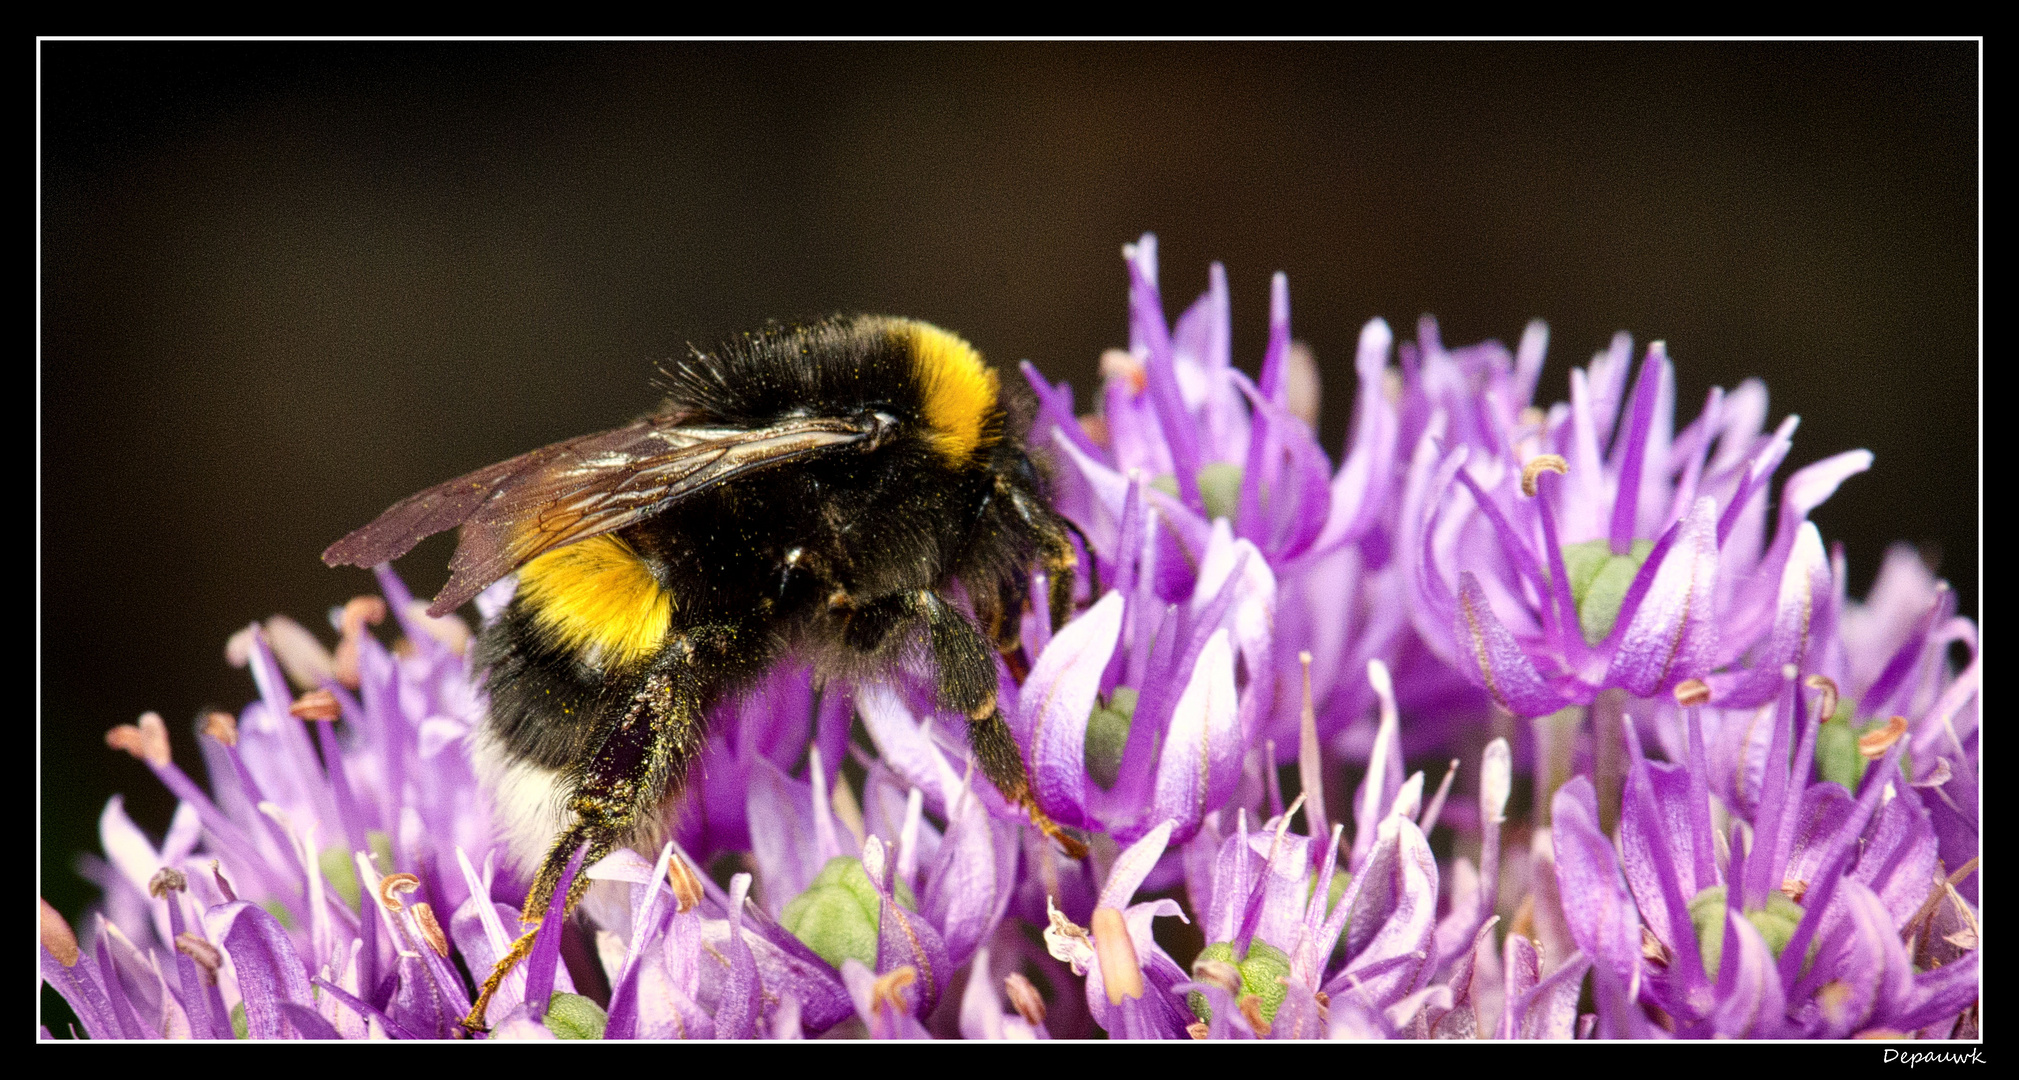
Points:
(967, 681)
(643, 755)
(1056, 555)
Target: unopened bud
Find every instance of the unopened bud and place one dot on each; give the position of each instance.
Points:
(57, 936)
(203, 952)
(686, 885)
(392, 886)
(165, 880)
(1691, 692)
(1024, 998)
(1874, 744)
(424, 916)
(221, 726)
(319, 705)
(147, 740)
(1121, 974)
(1532, 472)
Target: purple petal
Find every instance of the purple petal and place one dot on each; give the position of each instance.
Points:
(1656, 851)
(546, 954)
(1940, 994)
(393, 1028)
(1672, 632)
(904, 743)
(1058, 698)
(1200, 761)
(1750, 998)
(964, 897)
(1496, 660)
(1548, 1010)
(783, 833)
(1391, 908)
(739, 998)
(308, 1024)
(1805, 583)
(269, 970)
(1591, 888)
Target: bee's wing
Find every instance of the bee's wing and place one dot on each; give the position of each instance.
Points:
(517, 510)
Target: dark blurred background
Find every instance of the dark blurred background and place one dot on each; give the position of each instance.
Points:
(284, 285)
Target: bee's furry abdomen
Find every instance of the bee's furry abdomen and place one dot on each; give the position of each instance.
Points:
(544, 699)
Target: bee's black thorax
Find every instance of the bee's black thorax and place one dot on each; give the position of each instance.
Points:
(827, 557)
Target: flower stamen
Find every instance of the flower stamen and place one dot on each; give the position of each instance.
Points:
(392, 885)
(147, 741)
(57, 936)
(1874, 744)
(430, 929)
(1692, 692)
(318, 705)
(1121, 974)
(686, 886)
(221, 726)
(1532, 472)
(166, 880)
(1024, 998)
(203, 952)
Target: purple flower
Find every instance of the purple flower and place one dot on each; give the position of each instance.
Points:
(1555, 555)
(1226, 465)
(1815, 919)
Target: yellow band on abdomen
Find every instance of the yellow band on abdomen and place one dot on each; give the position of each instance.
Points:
(598, 599)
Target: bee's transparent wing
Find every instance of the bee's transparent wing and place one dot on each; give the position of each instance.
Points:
(517, 510)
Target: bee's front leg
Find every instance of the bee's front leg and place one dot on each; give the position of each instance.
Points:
(967, 682)
(642, 755)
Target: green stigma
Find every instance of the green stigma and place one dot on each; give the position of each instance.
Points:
(1108, 734)
(837, 915)
(1599, 581)
(1262, 973)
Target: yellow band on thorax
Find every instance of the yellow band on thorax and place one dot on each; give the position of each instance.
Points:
(958, 389)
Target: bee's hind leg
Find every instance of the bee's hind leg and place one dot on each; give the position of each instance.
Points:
(644, 754)
(967, 681)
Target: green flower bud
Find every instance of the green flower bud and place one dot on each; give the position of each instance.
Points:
(1776, 923)
(340, 870)
(1262, 972)
(1598, 582)
(572, 1016)
(1108, 734)
(279, 912)
(1219, 488)
(1340, 879)
(837, 915)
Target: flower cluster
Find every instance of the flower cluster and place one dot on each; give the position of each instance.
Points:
(1690, 780)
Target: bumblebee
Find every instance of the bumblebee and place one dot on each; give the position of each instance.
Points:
(818, 489)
